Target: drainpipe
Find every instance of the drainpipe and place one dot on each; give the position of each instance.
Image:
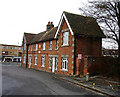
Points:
(26, 56)
(74, 55)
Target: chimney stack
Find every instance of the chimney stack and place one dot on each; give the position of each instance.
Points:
(49, 26)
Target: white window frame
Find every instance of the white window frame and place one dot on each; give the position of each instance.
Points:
(63, 64)
(31, 59)
(36, 46)
(43, 46)
(56, 63)
(3, 52)
(50, 62)
(43, 61)
(50, 45)
(65, 38)
(35, 60)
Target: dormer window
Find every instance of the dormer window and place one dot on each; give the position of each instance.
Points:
(65, 38)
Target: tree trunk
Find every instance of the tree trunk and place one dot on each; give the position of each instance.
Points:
(119, 31)
(119, 48)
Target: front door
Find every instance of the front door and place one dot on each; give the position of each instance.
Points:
(53, 64)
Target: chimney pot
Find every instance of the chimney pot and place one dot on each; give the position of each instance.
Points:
(49, 22)
(49, 26)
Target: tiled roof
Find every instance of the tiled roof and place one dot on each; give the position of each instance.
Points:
(49, 35)
(42, 36)
(37, 37)
(85, 26)
(80, 25)
(29, 37)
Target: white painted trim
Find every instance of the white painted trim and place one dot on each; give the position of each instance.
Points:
(64, 69)
(24, 38)
(68, 23)
(53, 64)
(63, 16)
(59, 26)
(42, 66)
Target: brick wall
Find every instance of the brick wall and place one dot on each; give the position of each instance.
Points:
(41, 52)
(66, 50)
(61, 52)
(87, 47)
(24, 53)
(84, 45)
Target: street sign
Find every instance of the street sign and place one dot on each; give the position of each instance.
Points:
(79, 56)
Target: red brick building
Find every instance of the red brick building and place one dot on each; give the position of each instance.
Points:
(57, 48)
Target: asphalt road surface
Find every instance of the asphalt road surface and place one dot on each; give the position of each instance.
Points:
(21, 81)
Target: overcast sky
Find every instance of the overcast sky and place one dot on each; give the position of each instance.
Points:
(32, 16)
(19, 16)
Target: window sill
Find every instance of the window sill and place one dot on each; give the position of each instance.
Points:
(65, 45)
(42, 66)
(35, 64)
(43, 50)
(50, 49)
(56, 49)
(64, 70)
(49, 67)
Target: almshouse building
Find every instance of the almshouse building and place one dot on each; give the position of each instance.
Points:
(63, 49)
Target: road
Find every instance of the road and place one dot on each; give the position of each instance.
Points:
(21, 81)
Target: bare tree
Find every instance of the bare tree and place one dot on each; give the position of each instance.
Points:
(107, 13)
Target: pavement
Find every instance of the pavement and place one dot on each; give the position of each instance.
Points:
(104, 86)
(22, 77)
(21, 82)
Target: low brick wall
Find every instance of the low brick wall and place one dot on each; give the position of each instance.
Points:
(108, 66)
